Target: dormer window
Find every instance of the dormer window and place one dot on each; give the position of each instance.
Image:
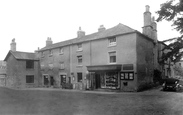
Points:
(79, 47)
(112, 41)
(51, 52)
(61, 51)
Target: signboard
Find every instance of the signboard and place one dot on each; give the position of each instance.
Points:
(127, 75)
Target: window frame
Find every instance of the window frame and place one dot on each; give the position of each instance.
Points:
(61, 50)
(112, 42)
(80, 58)
(79, 77)
(30, 80)
(50, 52)
(42, 54)
(80, 48)
(110, 57)
(62, 65)
(28, 65)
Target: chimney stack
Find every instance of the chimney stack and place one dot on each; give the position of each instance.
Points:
(80, 33)
(154, 30)
(147, 29)
(13, 45)
(49, 41)
(101, 28)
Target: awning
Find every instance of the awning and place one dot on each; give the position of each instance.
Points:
(97, 68)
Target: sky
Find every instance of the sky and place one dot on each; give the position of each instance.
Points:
(30, 22)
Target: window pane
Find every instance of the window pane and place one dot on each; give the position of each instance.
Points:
(112, 57)
(29, 64)
(79, 59)
(61, 50)
(79, 46)
(29, 78)
(79, 76)
(61, 65)
(112, 41)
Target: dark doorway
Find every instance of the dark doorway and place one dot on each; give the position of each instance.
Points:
(51, 80)
(97, 81)
(46, 81)
(62, 79)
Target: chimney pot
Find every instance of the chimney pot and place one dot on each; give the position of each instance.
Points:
(80, 33)
(13, 45)
(48, 41)
(147, 8)
(101, 28)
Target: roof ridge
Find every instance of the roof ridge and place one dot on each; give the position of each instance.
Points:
(21, 52)
(98, 35)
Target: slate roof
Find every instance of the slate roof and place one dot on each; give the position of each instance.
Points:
(22, 55)
(116, 30)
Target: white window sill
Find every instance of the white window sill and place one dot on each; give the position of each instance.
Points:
(80, 50)
(79, 66)
(112, 45)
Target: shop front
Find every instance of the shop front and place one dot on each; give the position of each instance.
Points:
(104, 76)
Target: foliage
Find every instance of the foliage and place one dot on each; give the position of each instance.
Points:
(173, 50)
(178, 70)
(172, 10)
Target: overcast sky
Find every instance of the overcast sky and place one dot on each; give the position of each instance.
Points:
(30, 22)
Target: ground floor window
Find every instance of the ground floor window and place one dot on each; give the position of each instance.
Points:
(29, 78)
(79, 76)
(107, 80)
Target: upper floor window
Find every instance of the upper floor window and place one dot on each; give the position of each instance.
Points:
(62, 65)
(112, 57)
(51, 52)
(61, 51)
(112, 41)
(80, 47)
(42, 54)
(80, 60)
(29, 64)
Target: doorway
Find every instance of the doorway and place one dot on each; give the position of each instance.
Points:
(46, 80)
(97, 81)
(62, 79)
(51, 81)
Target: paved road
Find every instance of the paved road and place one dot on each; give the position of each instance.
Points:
(57, 102)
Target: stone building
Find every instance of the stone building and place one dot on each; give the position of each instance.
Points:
(22, 68)
(116, 58)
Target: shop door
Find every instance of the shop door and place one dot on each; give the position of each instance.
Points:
(97, 81)
(51, 80)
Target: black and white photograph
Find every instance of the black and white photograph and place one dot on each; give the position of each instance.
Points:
(91, 57)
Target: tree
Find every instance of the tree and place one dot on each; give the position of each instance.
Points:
(172, 11)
